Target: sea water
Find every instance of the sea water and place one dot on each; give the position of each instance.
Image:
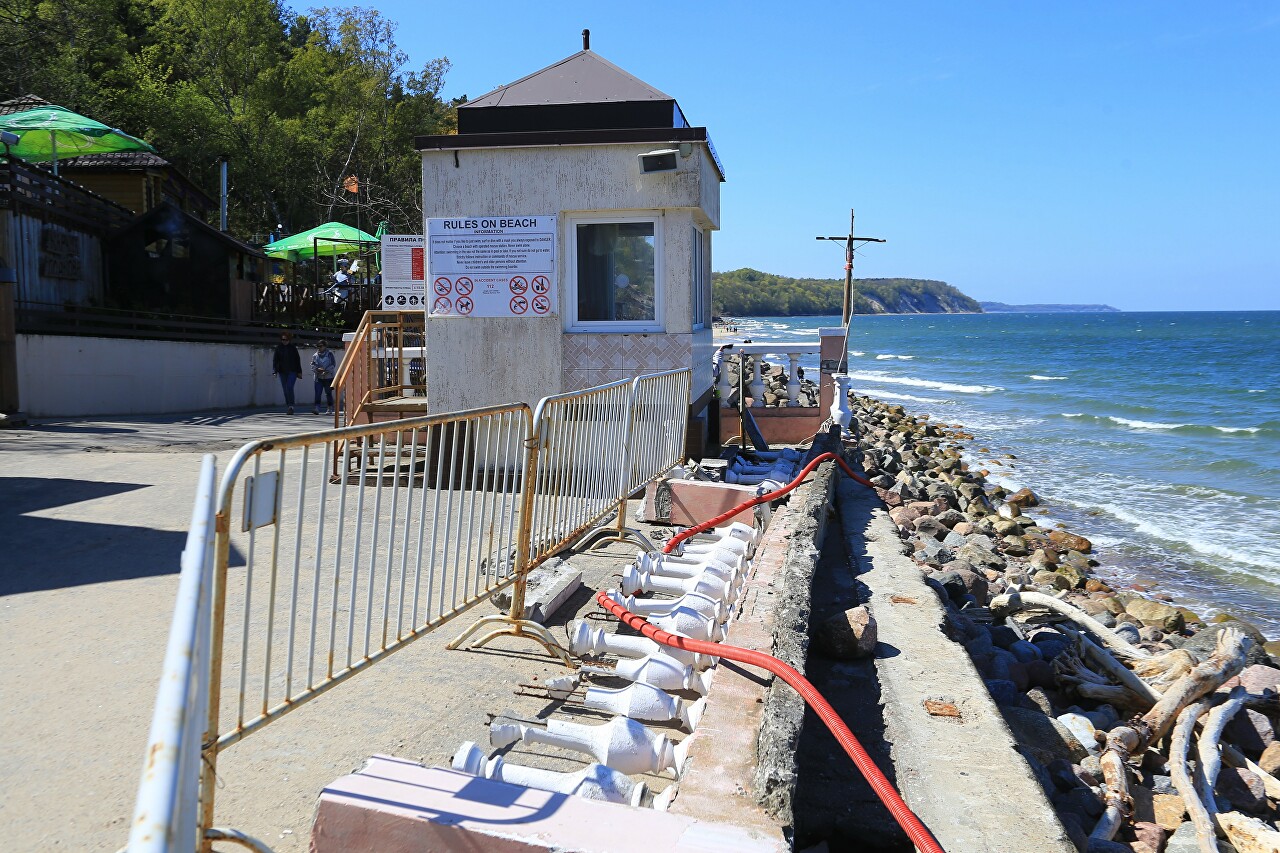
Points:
(1156, 435)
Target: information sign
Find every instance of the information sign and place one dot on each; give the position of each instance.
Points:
(404, 272)
(492, 266)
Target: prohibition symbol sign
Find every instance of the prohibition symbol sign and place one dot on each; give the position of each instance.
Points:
(540, 284)
(519, 305)
(442, 306)
(465, 304)
(464, 286)
(443, 286)
(541, 305)
(519, 285)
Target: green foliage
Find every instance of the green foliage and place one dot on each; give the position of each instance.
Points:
(295, 102)
(751, 293)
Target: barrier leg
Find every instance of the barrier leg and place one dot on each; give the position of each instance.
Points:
(511, 626)
(604, 536)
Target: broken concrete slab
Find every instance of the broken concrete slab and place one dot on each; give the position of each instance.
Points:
(550, 585)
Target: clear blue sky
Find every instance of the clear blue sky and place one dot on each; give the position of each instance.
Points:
(1126, 153)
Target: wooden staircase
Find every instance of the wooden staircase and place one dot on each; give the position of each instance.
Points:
(383, 374)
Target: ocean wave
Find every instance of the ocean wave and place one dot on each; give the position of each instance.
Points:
(911, 398)
(1157, 426)
(856, 352)
(887, 356)
(884, 378)
(1039, 378)
(1257, 390)
(1204, 547)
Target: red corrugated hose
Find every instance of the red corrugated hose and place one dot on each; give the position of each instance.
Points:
(756, 501)
(915, 830)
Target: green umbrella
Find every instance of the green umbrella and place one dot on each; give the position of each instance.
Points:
(47, 133)
(327, 240)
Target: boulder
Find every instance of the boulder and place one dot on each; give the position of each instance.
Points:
(1168, 810)
(1260, 677)
(1204, 642)
(1044, 577)
(1044, 737)
(1008, 511)
(927, 525)
(1270, 760)
(1251, 731)
(1073, 574)
(848, 635)
(1083, 729)
(1065, 541)
(1243, 788)
(1024, 498)
(980, 557)
(1015, 546)
(1156, 614)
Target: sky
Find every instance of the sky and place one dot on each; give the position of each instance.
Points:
(1122, 153)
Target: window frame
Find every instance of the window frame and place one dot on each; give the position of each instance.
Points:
(572, 323)
(700, 281)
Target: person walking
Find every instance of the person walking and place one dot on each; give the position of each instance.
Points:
(287, 364)
(323, 366)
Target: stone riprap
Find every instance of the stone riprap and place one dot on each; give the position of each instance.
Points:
(973, 541)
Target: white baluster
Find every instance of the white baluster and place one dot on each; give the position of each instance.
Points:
(621, 744)
(585, 640)
(840, 411)
(646, 704)
(726, 387)
(594, 782)
(793, 384)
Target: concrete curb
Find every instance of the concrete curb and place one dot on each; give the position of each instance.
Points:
(957, 767)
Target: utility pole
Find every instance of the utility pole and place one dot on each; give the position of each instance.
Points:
(849, 240)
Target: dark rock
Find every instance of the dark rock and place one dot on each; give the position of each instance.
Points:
(1043, 736)
(1251, 731)
(848, 635)
(1243, 788)
(1080, 802)
(1129, 633)
(1075, 832)
(1003, 636)
(930, 526)
(1025, 652)
(1040, 674)
(1203, 644)
(1005, 693)
(1063, 774)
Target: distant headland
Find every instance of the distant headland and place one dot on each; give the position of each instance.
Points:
(1044, 308)
(751, 293)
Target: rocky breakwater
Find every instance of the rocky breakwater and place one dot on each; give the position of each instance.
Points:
(1102, 688)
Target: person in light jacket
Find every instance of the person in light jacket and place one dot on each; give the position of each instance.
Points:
(287, 364)
(323, 366)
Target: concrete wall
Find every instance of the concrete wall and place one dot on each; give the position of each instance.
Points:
(73, 376)
(486, 361)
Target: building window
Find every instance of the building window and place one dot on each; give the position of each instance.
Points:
(700, 286)
(616, 276)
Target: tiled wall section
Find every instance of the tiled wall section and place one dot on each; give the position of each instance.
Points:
(596, 359)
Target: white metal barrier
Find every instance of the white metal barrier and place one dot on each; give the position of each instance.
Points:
(166, 817)
(591, 451)
(350, 543)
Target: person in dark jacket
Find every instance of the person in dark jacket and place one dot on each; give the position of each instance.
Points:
(287, 364)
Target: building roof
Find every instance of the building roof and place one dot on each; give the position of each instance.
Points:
(115, 160)
(583, 78)
(18, 105)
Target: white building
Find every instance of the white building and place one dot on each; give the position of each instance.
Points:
(633, 267)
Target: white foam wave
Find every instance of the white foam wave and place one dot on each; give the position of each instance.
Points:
(872, 376)
(1040, 378)
(1143, 424)
(1074, 415)
(887, 356)
(890, 395)
(856, 352)
(1257, 390)
(1238, 429)
(1200, 546)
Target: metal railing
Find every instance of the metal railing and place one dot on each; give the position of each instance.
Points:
(426, 518)
(167, 812)
(341, 572)
(384, 361)
(591, 451)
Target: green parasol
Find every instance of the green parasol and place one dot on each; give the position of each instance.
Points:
(327, 240)
(47, 133)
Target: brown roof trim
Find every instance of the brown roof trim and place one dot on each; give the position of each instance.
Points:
(533, 139)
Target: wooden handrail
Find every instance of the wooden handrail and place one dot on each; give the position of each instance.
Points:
(379, 333)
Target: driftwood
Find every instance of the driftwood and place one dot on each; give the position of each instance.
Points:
(1207, 747)
(1201, 817)
(1248, 834)
(1068, 668)
(1133, 738)
(1162, 670)
(1012, 602)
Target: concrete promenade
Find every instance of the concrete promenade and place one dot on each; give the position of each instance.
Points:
(93, 515)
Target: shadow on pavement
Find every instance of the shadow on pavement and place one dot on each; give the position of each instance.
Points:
(53, 553)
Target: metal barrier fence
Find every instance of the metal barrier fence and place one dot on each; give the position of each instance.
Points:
(166, 816)
(582, 473)
(350, 543)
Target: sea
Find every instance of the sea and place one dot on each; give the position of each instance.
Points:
(1156, 435)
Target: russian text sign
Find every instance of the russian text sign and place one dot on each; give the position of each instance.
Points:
(404, 275)
(491, 266)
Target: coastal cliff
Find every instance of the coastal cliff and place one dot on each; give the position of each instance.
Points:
(748, 292)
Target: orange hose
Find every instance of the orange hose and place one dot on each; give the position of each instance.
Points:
(756, 501)
(915, 830)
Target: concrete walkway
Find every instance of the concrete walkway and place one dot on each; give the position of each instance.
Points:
(93, 516)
